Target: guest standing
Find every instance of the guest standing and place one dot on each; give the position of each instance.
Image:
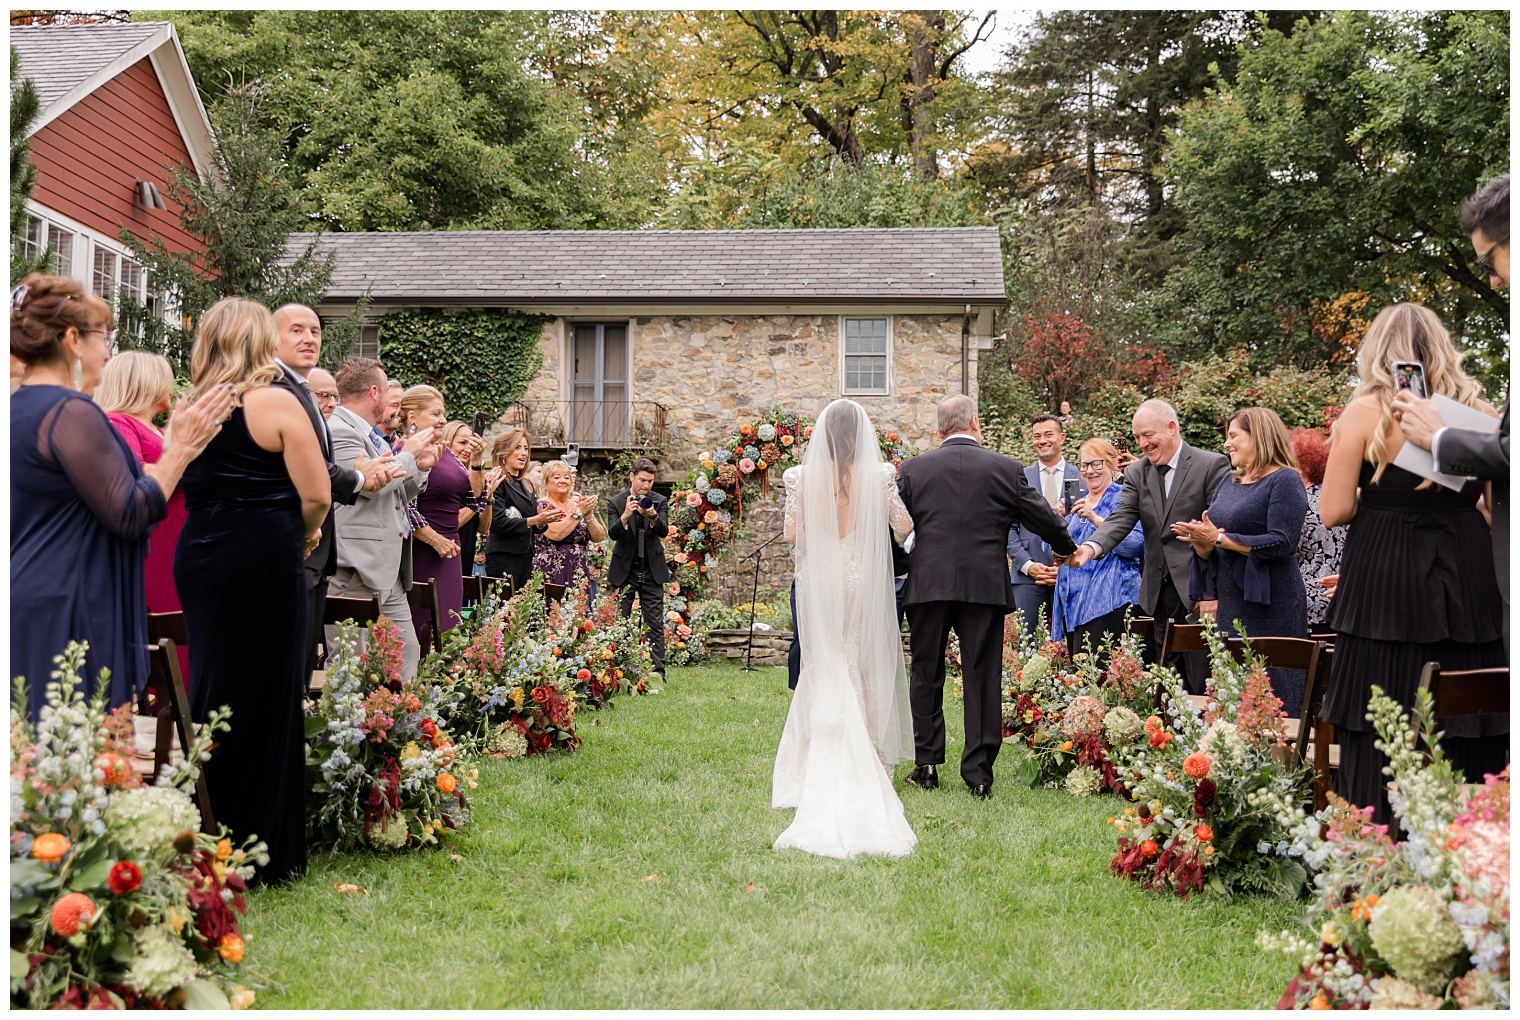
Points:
(436, 512)
(468, 448)
(1245, 549)
(1172, 482)
(1091, 600)
(638, 554)
(256, 501)
(559, 551)
(513, 519)
(1417, 582)
(1319, 547)
(1033, 574)
(81, 504)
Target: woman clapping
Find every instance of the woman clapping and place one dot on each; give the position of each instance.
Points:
(1090, 601)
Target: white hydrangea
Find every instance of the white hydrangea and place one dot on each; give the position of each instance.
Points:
(149, 817)
(160, 962)
(391, 837)
(1223, 742)
(508, 740)
(766, 432)
(1084, 781)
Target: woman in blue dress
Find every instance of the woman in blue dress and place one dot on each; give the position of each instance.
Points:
(1245, 550)
(1091, 600)
(81, 505)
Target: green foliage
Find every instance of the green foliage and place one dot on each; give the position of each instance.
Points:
(25, 106)
(1336, 161)
(480, 360)
(242, 214)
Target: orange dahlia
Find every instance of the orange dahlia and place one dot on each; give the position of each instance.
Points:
(50, 847)
(230, 948)
(1197, 765)
(71, 913)
(1204, 833)
(446, 782)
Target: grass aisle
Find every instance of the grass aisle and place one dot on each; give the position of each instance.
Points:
(1004, 904)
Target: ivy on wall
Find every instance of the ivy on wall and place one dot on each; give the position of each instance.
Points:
(481, 360)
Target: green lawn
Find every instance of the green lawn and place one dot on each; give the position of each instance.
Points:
(637, 872)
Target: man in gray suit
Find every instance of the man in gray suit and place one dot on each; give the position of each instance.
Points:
(1172, 482)
(1032, 572)
(374, 554)
(1485, 218)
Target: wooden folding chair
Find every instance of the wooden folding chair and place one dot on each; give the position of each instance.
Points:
(1314, 730)
(554, 593)
(338, 609)
(473, 590)
(172, 709)
(508, 586)
(1466, 691)
(423, 595)
(168, 626)
(1179, 637)
(1328, 638)
(1144, 628)
(1282, 653)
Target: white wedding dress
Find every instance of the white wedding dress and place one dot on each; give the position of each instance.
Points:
(849, 721)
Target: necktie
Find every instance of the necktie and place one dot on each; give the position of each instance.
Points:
(1165, 470)
(1052, 486)
(383, 446)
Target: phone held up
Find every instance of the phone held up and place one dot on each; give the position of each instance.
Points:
(480, 423)
(1410, 375)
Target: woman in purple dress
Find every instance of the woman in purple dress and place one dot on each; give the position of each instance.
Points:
(452, 488)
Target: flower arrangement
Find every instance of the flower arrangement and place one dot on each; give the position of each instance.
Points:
(382, 767)
(1218, 795)
(118, 899)
(1421, 923)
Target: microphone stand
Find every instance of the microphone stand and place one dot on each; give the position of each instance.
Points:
(749, 642)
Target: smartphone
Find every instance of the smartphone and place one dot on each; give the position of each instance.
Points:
(480, 423)
(1410, 375)
(1072, 491)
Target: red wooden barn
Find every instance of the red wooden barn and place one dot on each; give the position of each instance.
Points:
(118, 108)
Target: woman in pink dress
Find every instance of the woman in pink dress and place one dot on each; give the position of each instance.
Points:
(136, 387)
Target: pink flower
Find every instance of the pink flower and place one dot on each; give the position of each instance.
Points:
(693, 500)
(747, 466)
(684, 631)
(673, 588)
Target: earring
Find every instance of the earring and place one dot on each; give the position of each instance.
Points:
(78, 374)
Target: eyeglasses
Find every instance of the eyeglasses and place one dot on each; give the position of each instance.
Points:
(110, 335)
(325, 396)
(1091, 465)
(1485, 262)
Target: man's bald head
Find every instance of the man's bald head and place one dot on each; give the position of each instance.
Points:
(325, 388)
(957, 413)
(300, 337)
(1156, 431)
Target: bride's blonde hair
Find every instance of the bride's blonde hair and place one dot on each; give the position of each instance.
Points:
(1406, 332)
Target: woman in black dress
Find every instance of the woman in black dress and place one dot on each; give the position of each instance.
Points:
(1416, 581)
(255, 501)
(513, 516)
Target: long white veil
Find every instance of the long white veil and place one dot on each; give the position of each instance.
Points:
(850, 720)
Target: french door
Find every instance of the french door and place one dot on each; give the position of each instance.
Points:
(599, 383)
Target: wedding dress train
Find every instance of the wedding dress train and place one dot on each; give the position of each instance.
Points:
(849, 721)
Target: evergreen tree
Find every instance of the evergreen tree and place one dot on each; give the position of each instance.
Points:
(25, 106)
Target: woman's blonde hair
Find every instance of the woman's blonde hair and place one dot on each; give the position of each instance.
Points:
(235, 343)
(134, 382)
(1104, 449)
(1274, 448)
(414, 400)
(451, 430)
(556, 467)
(1406, 332)
(505, 443)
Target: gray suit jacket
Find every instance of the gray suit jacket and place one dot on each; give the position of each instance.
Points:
(1486, 456)
(1023, 544)
(1144, 501)
(370, 533)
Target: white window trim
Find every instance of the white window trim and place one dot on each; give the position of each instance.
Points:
(86, 242)
(845, 391)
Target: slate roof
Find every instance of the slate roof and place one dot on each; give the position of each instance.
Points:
(59, 57)
(930, 264)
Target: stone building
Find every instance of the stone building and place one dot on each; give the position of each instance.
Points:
(666, 339)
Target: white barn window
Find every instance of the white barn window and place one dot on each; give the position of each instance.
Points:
(866, 356)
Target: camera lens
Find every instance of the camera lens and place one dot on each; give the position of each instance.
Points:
(646, 502)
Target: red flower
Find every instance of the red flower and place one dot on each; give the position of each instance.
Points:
(125, 877)
(583, 674)
(1149, 848)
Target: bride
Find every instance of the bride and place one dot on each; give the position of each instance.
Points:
(849, 721)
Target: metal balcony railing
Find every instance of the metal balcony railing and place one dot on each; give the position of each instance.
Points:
(593, 424)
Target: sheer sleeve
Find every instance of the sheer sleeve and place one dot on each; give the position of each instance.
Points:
(897, 514)
(78, 438)
(792, 479)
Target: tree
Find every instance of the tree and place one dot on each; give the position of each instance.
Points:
(243, 213)
(1335, 163)
(25, 106)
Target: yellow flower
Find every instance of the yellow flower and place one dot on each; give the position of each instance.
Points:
(517, 697)
(1328, 934)
(176, 919)
(241, 998)
(223, 849)
(411, 750)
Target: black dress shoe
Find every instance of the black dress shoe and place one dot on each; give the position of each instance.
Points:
(925, 777)
(982, 791)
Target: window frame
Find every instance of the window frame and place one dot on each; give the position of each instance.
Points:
(845, 390)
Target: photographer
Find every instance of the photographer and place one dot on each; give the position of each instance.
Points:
(636, 523)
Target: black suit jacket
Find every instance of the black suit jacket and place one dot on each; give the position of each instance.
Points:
(323, 561)
(638, 529)
(963, 499)
(1484, 455)
(510, 534)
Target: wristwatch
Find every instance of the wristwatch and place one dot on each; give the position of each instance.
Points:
(1218, 538)
(578, 516)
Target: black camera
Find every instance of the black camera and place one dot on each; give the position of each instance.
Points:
(646, 501)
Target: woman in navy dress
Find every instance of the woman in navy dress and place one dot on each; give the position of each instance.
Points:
(1245, 550)
(81, 505)
(1416, 580)
(1091, 600)
(254, 503)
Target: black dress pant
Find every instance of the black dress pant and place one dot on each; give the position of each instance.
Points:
(316, 608)
(1194, 666)
(980, 629)
(651, 595)
(518, 567)
(1096, 632)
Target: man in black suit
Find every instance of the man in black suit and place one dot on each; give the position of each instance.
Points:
(638, 564)
(1485, 219)
(963, 499)
(1172, 482)
(299, 345)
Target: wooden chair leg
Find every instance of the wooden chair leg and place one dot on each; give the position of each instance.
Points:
(179, 709)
